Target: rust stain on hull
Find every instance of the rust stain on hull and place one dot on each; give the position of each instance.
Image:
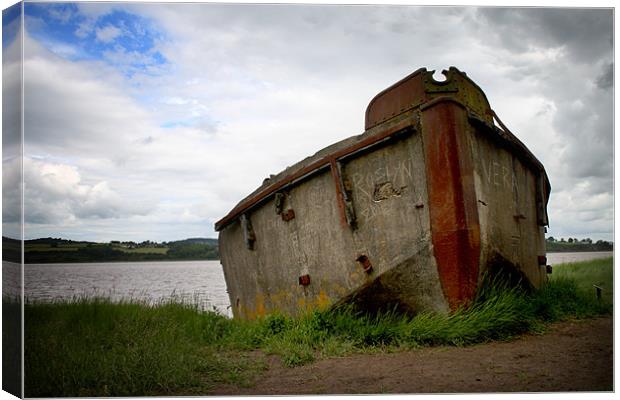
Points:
(452, 202)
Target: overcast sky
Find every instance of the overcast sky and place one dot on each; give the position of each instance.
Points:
(151, 121)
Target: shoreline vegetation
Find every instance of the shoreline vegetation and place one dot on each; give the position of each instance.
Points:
(56, 250)
(96, 347)
(574, 245)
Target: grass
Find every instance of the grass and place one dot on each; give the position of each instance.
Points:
(93, 347)
(587, 274)
(47, 247)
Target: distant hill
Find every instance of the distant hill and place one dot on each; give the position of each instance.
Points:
(57, 250)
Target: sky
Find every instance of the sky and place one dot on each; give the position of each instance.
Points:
(148, 121)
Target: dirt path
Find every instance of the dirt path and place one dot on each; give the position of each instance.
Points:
(570, 356)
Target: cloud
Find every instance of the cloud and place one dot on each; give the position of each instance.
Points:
(73, 107)
(94, 154)
(55, 194)
(573, 73)
(606, 79)
(11, 24)
(246, 90)
(11, 95)
(11, 122)
(61, 13)
(108, 33)
(582, 33)
(11, 196)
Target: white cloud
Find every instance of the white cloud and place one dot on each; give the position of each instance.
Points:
(253, 89)
(55, 194)
(11, 131)
(76, 107)
(11, 94)
(11, 196)
(62, 14)
(94, 151)
(108, 33)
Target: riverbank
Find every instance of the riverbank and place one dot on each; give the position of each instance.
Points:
(571, 356)
(99, 348)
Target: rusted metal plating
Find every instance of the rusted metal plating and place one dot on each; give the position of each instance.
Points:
(304, 280)
(365, 262)
(420, 87)
(288, 215)
(452, 201)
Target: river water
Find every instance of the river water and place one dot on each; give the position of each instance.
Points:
(197, 282)
(561, 258)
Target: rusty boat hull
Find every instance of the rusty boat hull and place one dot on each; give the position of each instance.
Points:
(413, 213)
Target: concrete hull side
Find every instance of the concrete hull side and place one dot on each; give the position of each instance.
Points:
(387, 187)
(391, 201)
(511, 237)
(483, 210)
(266, 279)
(434, 211)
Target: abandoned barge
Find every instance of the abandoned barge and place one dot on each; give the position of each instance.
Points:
(412, 213)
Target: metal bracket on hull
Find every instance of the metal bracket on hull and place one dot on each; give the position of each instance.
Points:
(248, 232)
(279, 202)
(288, 215)
(365, 262)
(343, 191)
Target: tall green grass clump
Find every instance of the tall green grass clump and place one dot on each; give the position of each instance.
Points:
(500, 311)
(94, 347)
(587, 274)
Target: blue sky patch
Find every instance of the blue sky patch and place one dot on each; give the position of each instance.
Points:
(122, 39)
(10, 23)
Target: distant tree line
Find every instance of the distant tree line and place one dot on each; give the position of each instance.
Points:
(11, 250)
(56, 250)
(574, 244)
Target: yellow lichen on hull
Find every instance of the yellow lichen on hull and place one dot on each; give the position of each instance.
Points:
(323, 301)
(260, 305)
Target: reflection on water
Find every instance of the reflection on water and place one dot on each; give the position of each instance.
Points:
(197, 282)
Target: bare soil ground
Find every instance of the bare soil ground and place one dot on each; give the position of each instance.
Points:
(569, 356)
